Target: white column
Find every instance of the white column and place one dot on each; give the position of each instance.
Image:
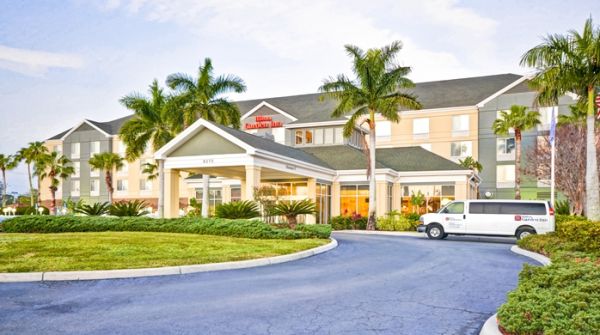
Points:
(253, 177)
(205, 191)
(161, 188)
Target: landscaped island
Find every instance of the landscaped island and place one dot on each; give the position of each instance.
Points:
(51, 243)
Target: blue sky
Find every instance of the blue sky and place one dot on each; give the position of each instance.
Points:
(63, 61)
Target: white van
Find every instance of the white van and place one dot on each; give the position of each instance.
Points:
(517, 218)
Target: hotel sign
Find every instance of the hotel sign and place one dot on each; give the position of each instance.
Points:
(263, 121)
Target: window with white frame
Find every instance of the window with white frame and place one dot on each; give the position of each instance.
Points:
(505, 149)
(145, 184)
(328, 136)
(460, 125)
(121, 148)
(94, 148)
(421, 128)
(77, 168)
(75, 150)
(319, 136)
(94, 172)
(383, 130)
(122, 185)
(505, 176)
(339, 135)
(75, 189)
(461, 149)
(94, 187)
(546, 117)
(299, 137)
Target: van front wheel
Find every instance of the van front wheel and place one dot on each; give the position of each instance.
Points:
(435, 232)
(524, 232)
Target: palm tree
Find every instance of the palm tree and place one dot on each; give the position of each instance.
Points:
(291, 210)
(57, 167)
(32, 155)
(151, 170)
(470, 163)
(571, 63)
(577, 116)
(201, 98)
(7, 162)
(517, 119)
(375, 90)
(154, 121)
(107, 161)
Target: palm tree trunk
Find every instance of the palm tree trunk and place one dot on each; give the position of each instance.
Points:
(371, 223)
(4, 188)
(30, 183)
(109, 187)
(518, 164)
(592, 202)
(39, 191)
(53, 194)
(205, 190)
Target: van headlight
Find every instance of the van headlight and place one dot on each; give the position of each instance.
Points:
(421, 218)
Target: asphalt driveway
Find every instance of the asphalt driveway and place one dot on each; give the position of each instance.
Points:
(368, 285)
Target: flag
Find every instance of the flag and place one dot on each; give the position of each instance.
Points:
(552, 128)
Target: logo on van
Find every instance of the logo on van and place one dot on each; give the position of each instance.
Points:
(518, 218)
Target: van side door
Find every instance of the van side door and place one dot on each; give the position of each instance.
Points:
(484, 218)
(453, 217)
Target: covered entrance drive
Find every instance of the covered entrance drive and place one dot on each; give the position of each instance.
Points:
(216, 150)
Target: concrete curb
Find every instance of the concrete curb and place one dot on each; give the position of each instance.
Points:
(490, 327)
(379, 232)
(162, 271)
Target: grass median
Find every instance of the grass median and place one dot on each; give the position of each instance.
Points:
(128, 250)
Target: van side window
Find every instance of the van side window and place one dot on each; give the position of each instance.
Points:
(484, 208)
(524, 208)
(455, 208)
(476, 208)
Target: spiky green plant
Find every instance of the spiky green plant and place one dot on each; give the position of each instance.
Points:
(237, 210)
(291, 210)
(96, 209)
(470, 163)
(128, 208)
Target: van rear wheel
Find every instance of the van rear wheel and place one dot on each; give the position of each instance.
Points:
(435, 232)
(524, 232)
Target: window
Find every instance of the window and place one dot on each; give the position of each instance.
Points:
(420, 128)
(299, 136)
(433, 197)
(505, 149)
(214, 198)
(460, 125)
(383, 130)
(58, 149)
(236, 193)
(455, 208)
(354, 199)
(122, 148)
(319, 136)
(145, 185)
(328, 136)
(94, 187)
(339, 135)
(390, 189)
(94, 148)
(460, 149)
(122, 185)
(94, 172)
(546, 117)
(323, 203)
(484, 208)
(505, 176)
(308, 135)
(523, 208)
(426, 146)
(75, 150)
(77, 168)
(75, 188)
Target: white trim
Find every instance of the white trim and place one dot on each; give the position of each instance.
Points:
(80, 124)
(316, 124)
(266, 104)
(502, 91)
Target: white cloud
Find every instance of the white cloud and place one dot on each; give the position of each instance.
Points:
(35, 63)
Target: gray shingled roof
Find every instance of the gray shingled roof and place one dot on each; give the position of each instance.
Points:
(344, 157)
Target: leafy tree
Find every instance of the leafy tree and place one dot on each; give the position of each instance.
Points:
(32, 155)
(375, 91)
(107, 161)
(417, 200)
(56, 167)
(7, 162)
(470, 163)
(518, 119)
(571, 63)
(155, 121)
(291, 210)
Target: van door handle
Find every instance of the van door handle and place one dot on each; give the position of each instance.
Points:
(464, 216)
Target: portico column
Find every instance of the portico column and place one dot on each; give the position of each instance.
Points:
(226, 193)
(460, 190)
(171, 193)
(335, 198)
(253, 177)
(161, 188)
(382, 198)
(311, 186)
(397, 197)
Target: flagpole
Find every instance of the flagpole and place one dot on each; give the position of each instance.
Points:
(552, 155)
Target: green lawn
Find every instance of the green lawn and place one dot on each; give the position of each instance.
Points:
(120, 250)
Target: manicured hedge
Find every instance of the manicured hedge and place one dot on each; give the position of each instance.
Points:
(221, 227)
(315, 230)
(348, 222)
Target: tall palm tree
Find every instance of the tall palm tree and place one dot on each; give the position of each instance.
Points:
(57, 167)
(154, 121)
(201, 97)
(470, 163)
(375, 90)
(578, 116)
(107, 161)
(517, 119)
(7, 162)
(571, 63)
(32, 155)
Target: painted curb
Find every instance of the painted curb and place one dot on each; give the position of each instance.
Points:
(162, 271)
(490, 327)
(379, 232)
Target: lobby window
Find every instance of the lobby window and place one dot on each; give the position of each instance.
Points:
(145, 185)
(94, 187)
(94, 148)
(215, 198)
(505, 176)
(390, 189)
(421, 128)
(461, 149)
(434, 197)
(339, 135)
(122, 185)
(505, 149)
(383, 130)
(319, 136)
(460, 125)
(75, 150)
(75, 188)
(77, 168)
(323, 203)
(354, 199)
(236, 193)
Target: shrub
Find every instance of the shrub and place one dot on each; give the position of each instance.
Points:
(196, 209)
(583, 232)
(315, 230)
(396, 223)
(349, 222)
(562, 207)
(291, 209)
(97, 209)
(128, 208)
(414, 217)
(237, 210)
(211, 226)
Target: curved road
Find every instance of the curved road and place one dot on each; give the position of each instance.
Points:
(368, 285)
